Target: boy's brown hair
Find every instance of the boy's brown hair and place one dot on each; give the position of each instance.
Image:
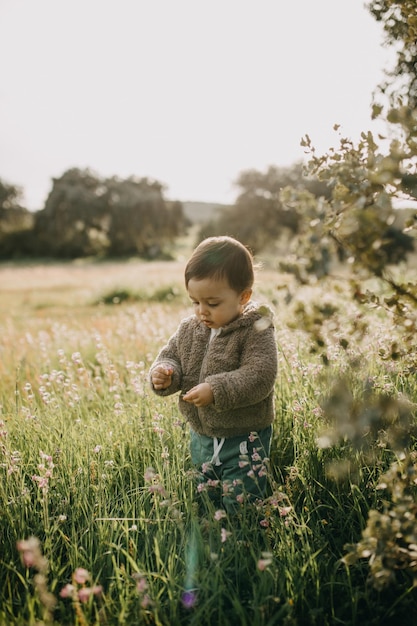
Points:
(222, 257)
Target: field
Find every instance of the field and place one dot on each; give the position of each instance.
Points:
(99, 517)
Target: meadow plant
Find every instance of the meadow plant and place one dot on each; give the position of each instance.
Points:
(99, 498)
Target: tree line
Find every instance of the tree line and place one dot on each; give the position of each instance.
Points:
(87, 216)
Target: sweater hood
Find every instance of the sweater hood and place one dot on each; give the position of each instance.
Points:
(253, 314)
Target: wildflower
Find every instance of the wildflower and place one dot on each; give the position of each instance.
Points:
(141, 583)
(149, 475)
(264, 562)
(83, 594)
(81, 576)
(29, 391)
(318, 411)
(80, 594)
(141, 588)
(264, 523)
(157, 488)
(31, 553)
(219, 514)
(14, 462)
(284, 510)
(225, 534)
(76, 358)
(97, 449)
(45, 472)
(189, 599)
(146, 601)
(205, 467)
(67, 591)
(46, 457)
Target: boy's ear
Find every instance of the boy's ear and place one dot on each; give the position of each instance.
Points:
(245, 296)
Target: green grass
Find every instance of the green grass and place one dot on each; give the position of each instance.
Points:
(97, 468)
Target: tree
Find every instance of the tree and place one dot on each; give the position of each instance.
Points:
(259, 215)
(72, 223)
(399, 21)
(85, 215)
(140, 220)
(15, 222)
(365, 179)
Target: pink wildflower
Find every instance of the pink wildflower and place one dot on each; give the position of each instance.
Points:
(158, 488)
(81, 576)
(141, 584)
(146, 601)
(30, 552)
(67, 591)
(264, 563)
(227, 487)
(149, 475)
(83, 594)
(284, 510)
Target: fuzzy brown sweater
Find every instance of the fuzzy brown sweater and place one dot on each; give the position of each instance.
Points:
(240, 364)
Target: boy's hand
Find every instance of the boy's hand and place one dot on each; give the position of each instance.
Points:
(161, 376)
(200, 395)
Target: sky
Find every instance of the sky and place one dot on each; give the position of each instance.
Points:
(186, 92)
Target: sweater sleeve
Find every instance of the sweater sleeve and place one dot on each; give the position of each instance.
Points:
(169, 355)
(254, 380)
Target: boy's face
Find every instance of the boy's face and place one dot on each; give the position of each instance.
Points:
(215, 302)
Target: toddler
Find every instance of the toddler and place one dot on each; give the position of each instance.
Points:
(223, 361)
